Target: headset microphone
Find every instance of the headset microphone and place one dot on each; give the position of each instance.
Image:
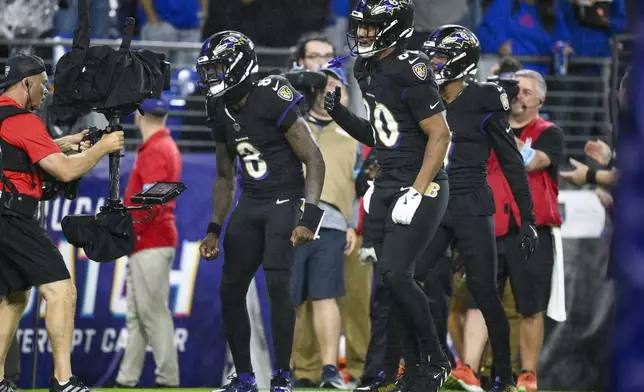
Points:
(524, 106)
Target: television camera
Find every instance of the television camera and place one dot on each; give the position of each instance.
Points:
(112, 82)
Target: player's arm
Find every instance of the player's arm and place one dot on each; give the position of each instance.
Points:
(359, 128)
(547, 150)
(503, 143)
(301, 141)
(427, 108)
(223, 191)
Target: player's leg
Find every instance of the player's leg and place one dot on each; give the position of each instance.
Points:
(477, 245)
(403, 245)
(376, 371)
(434, 271)
(531, 281)
(243, 248)
(278, 259)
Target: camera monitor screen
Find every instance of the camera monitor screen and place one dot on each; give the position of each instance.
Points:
(159, 193)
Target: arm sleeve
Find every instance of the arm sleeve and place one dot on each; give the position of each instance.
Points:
(359, 128)
(423, 100)
(552, 143)
(28, 133)
(503, 143)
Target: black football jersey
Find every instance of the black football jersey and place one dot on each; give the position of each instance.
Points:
(399, 91)
(256, 134)
(470, 146)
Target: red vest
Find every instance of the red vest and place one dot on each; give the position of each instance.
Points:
(544, 189)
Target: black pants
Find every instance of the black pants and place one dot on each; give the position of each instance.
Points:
(401, 315)
(476, 243)
(259, 233)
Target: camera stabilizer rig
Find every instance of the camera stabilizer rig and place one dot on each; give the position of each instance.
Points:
(112, 82)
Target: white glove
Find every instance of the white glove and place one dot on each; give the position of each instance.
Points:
(367, 196)
(406, 207)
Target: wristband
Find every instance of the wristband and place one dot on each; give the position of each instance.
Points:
(311, 217)
(214, 228)
(528, 153)
(591, 176)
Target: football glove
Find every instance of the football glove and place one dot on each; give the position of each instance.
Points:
(529, 238)
(406, 207)
(331, 100)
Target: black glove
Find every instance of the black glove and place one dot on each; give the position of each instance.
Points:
(529, 238)
(331, 100)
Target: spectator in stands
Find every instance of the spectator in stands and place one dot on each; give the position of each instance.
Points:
(148, 270)
(174, 21)
(591, 25)
(542, 145)
(318, 271)
(523, 28)
(67, 18)
(339, 23)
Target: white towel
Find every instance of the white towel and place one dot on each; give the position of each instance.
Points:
(557, 303)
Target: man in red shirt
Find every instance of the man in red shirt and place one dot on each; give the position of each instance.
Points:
(28, 257)
(148, 270)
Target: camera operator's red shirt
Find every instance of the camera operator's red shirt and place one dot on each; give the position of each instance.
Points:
(158, 159)
(28, 133)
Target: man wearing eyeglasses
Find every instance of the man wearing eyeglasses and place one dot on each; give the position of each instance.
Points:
(314, 52)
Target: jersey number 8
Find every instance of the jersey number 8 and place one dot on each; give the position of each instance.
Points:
(388, 129)
(255, 166)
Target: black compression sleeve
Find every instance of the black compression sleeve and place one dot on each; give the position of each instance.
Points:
(359, 128)
(505, 147)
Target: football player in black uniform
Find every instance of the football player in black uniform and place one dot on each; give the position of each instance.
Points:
(258, 121)
(477, 115)
(408, 127)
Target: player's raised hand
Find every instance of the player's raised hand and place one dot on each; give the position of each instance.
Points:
(331, 100)
(301, 235)
(209, 247)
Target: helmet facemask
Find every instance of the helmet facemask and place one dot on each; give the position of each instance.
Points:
(366, 38)
(225, 69)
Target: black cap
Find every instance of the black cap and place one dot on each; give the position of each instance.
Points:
(20, 66)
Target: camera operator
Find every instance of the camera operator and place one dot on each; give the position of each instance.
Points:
(28, 257)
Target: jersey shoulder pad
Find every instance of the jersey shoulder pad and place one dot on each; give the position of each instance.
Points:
(277, 86)
(414, 67)
(492, 97)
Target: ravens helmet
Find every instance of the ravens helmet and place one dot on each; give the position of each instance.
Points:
(454, 52)
(376, 25)
(226, 59)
